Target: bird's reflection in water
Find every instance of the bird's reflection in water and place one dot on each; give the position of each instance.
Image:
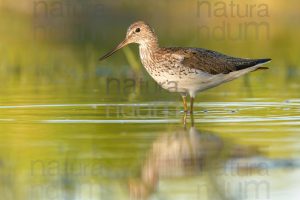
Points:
(186, 152)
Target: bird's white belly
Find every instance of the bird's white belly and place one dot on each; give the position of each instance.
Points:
(183, 83)
(195, 82)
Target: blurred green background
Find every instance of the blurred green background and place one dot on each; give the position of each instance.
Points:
(58, 43)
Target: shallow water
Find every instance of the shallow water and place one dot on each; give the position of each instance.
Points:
(81, 146)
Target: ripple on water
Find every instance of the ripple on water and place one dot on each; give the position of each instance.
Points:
(276, 113)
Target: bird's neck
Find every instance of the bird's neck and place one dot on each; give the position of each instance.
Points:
(148, 49)
(147, 54)
(150, 43)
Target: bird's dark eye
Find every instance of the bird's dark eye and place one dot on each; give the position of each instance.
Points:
(137, 30)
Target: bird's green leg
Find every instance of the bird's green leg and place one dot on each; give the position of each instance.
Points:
(184, 120)
(192, 120)
(184, 103)
(192, 105)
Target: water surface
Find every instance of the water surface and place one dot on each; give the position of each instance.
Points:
(81, 146)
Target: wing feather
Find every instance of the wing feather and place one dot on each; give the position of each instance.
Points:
(213, 62)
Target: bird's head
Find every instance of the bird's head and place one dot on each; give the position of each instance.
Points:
(138, 32)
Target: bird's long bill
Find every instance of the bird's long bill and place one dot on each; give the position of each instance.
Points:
(121, 45)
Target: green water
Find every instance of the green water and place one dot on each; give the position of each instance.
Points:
(73, 128)
(61, 144)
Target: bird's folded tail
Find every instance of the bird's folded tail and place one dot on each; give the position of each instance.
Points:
(261, 62)
(252, 62)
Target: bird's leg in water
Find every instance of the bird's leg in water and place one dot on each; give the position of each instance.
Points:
(184, 120)
(184, 103)
(192, 105)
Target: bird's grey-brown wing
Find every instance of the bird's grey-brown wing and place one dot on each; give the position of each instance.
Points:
(213, 62)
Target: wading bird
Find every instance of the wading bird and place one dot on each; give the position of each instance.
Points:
(182, 69)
